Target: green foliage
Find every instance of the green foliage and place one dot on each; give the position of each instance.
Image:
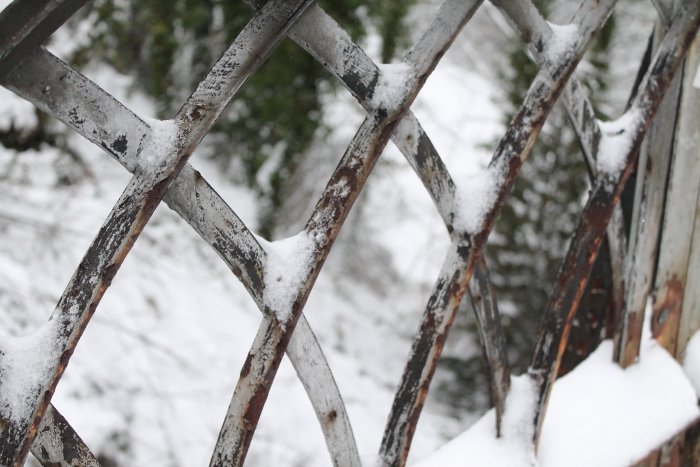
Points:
(169, 45)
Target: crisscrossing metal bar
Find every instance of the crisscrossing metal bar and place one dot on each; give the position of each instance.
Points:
(157, 154)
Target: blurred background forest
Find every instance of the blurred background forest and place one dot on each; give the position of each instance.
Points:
(150, 382)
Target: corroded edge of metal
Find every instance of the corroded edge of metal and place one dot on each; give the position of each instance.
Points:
(606, 192)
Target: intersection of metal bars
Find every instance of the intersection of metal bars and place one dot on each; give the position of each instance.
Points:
(157, 154)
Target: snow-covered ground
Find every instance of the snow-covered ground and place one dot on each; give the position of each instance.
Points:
(599, 414)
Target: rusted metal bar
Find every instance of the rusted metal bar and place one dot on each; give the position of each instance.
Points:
(534, 31)
(273, 335)
(57, 445)
(59, 90)
(200, 205)
(323, 227)
(196, 202)
(674, 319)
(27, 24)
(456, 271)
(492, 336)
(606, 191)
(425, 352)
(168, 155)
(647, 214)
(331, 45)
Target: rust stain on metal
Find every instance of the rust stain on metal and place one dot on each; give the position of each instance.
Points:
(246, 366)
(332, 416)
(666, 314)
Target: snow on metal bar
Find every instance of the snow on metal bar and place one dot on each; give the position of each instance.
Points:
(332, 46)
(534, 29)
(447, 292)
(279, 276)
(273, 335)
(33, 365)
(59, 90)
(618, 153)
(190, 196)
(26, 24)
(217, 224)
(323, 227)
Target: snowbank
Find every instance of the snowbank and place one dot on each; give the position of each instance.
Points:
(599, 414)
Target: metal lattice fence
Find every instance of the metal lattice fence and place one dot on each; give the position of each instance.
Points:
(157, 154)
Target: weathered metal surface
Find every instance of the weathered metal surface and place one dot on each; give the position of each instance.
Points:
(690, 309)
(273, 336)
(57, 445)
(689, 135)
(131, 213)
(324, 39)
(190, 196)
(595, 316)
(61, 91)
(492, 337)
(437, 318)
(57, 89)
(665, 8)
(650, 194)
(588, 236)
(332, 209)
(534, 31)
(674, 318)
(27, 24)
(305, 354)
(651, 460)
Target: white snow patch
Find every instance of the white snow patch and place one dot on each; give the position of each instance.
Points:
(26, 363)
(479, 446)
(288, 263)
(475, 196)
(160, 146)
(394, 83)
(696, 80)
(691, 361)
(562, 41)
(599, 414)
(615, 142)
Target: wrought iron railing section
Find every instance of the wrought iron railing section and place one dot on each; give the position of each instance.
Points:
(157, 154)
